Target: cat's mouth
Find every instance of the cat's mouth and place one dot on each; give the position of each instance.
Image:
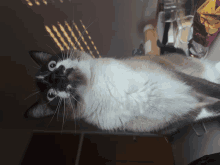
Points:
(64, 93)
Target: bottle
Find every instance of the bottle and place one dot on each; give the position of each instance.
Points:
(150, 45)
(206, 26)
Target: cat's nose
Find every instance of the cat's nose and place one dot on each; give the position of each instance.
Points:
(60, 71)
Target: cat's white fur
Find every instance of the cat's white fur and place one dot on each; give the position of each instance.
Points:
(204, 113)
(212, 71)
(119, 94)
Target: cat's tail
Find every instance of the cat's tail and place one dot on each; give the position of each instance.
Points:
(200, 85)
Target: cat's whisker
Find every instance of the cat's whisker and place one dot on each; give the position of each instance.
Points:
(63, 116)
(54, 52)
(93, 111)
(35, 67)
(80, 37)
(98, 121)
(59, 108)
(71, 38)
(35, 90)
(74, 113)
(62, 55)
(122, 124)
(58, 57)
(75, 99)
(72, 50)
(32, 95)
(54, 112)
(47, 102)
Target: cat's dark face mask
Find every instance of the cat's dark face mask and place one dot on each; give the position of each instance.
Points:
(55, 87)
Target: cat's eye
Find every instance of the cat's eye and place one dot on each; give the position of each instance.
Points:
(51, 94)
(52, 65)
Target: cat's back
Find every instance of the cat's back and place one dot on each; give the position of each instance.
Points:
(187, 65)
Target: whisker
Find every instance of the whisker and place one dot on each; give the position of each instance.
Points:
(35, 67)
(86, 29)
(68, 45)
(32, 95)
(71, 51)
(59, 108)
(74, 111)
(51, 48)
(80, 37)
(54, 52)
(35, 90)
(47, 102)
(63, 116)
(122, 124)
(72, 38)
(75, 99)
(54, 112)
(93, 111)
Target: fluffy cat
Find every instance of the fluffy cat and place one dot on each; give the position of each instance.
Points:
(140, 94)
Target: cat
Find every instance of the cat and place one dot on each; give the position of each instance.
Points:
(141, 94)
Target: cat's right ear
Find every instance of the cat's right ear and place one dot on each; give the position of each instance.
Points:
(39, 110)
(41, 58)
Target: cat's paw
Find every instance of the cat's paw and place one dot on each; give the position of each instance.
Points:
(217, 75)
(217, 66)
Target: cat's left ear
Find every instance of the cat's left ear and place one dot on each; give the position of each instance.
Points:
(39, 110)
(41, 58)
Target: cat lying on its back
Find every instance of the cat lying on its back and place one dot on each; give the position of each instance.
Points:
(143, 94)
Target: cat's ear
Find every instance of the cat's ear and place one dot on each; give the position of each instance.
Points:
(39, 110)
(40, 58)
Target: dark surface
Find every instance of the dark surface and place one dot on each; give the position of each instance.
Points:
(51, 149)
(213, 159)
(56, 148)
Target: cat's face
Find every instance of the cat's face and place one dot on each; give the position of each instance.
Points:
(58, 81)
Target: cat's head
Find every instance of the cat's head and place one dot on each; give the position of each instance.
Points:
(61, 80)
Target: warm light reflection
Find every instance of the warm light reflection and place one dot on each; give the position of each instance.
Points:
(66, 35)
(45, 2)
(37, 2)
(80, 34)
(61, 38)
(54, 38)
(68, 38)
(29, 3)
(90, 38)
(74, 36)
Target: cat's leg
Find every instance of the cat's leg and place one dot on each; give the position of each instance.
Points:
(217, 67)
(211, 71)
(209, 111)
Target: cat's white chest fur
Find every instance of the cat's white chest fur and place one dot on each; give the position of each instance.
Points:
(119, 93)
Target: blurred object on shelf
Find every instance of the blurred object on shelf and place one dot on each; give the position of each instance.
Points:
(209, 13)
(206, 26)
(139, 51)
(175, 19)
(150, 45)
(184, 31)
